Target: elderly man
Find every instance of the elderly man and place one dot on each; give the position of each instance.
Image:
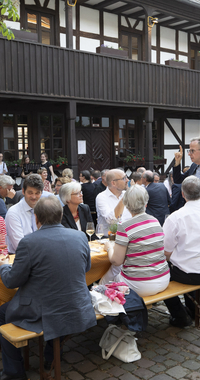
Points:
(6, 190)
(181, 244)
(52, 295)
(20, 220)
(109, 203)
(194, 153)
(103, 184)
(159, 198)
(156, 177)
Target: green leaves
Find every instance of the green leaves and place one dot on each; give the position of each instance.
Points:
(7, 8)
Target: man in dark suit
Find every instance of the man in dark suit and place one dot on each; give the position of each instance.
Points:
(159, 199)
(194, 153)
(52, 296)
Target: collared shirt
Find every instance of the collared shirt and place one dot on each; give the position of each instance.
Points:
(18, 224)
(3, 167)
(197, 173)
(181, 231)
(106, 202)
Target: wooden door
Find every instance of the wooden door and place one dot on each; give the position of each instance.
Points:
(98, 149)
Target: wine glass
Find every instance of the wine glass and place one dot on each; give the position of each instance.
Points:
(90, 229)
(99, 231)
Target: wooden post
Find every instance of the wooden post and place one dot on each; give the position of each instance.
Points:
(149, 116)
(69, 28)
(147, 34)
(72, 154)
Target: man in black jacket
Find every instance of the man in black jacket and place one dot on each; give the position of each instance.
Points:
(194, 153)
(159, 199)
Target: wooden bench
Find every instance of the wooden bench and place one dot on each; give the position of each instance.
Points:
(20, 337)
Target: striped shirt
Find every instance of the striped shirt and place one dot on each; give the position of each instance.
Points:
(3, 235)
(145, 259)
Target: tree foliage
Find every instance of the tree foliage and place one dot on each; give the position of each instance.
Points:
(7, 8)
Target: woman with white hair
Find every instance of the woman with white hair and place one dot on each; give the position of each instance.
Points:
(139, 247)
(75, 213)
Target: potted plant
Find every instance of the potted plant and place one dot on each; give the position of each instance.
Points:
(159, 160)
(179, 64)
(113, 230)
(135, 159)
(106, 50)
(60, 163)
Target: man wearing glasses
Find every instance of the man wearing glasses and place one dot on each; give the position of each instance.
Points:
(109, 203)
(194, 153)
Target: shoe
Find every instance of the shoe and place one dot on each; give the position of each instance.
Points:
(180, 322)
(190, 312)
(3, 376)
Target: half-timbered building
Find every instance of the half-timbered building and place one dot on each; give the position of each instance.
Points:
(66, 86)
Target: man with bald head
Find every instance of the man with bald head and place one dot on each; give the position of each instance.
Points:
(109, 203)
(159, 199)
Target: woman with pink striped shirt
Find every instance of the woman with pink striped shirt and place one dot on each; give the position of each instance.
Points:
(139, 247)
(3, 246)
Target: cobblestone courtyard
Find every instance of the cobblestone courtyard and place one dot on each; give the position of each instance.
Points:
(167, 353)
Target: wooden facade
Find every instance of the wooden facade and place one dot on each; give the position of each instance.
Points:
(68, 95)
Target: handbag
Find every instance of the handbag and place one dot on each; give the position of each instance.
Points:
(119, 343)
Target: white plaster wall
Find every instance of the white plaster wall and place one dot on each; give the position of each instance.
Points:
(114, 45)
(183, 58)
(140, 26)
(192, 38)
(74, 42)
(165, 56)
(169, 155)
(192, 129)
(29, 2)
(153, 56)
(73, 18)
(62, 13)
(88, 44)
(167, 38)
(89, 20)
(168, 136)
(51, 4)
(188, 161)
(153, 35)
(183, 41)
(110, 22)
(12, 24)
(123, 21)
(63, 40)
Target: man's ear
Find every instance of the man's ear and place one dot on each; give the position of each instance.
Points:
(23, 191)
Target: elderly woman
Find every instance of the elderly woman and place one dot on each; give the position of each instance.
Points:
(75, 213)
(139, 247)
(43, 173)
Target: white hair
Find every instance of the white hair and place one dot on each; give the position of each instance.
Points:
(135, 199)
(67, 189)
(6, 180)
(191, 188)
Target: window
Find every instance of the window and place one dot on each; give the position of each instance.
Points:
(51, 135)
(43, 25)
(131, 43)
(195, 58)
(15, 136)
(95, 122)
(127, 137)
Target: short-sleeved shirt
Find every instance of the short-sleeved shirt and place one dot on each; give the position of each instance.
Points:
(144, 238)
(47, 166)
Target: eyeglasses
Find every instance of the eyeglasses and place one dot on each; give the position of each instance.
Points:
(121, 179)
(78, 193)
(191, 151)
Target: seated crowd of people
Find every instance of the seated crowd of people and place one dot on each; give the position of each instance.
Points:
(155, 243)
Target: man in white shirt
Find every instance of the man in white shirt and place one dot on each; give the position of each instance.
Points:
(182, 249)
(110, 207)
(3, 167)
(109, 203)
(6, 190)
(20, 219)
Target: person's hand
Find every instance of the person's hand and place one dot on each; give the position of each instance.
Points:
(107, 246)
(178, 156)
(4, 259)
(11, 193)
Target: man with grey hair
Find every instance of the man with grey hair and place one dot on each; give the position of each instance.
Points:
(194, 153)
(6, 190)
(181, 244)
(156, 177)
(103, 184)
(109, 203)
(49, 270)
(159, 199)
(137, 178)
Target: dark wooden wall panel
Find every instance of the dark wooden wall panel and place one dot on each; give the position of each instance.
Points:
(50, 71)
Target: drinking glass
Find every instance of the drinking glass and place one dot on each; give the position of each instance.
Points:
(90, 229)
(99, 231)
